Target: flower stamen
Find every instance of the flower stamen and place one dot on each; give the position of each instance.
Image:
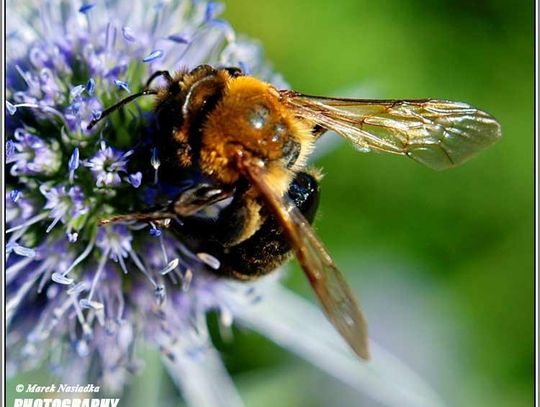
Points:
(24, 226)
(97, 276)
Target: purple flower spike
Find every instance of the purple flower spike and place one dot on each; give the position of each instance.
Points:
(155, 231)
(14, 195)
(10, 148)
(135, 179)
(154, 161)
(107, 165)
(90, 86)
(20, 250)
(87, 281)
(210, 12)
(74, 160)
(64, 205)
(31, 155)
(121, 85)
(153, 55)
(11, 108)
(73, 163)
(179, 38)
(61, 279)
(128, 34)
(170, 267)
(115, 240)
(76, 91)
(85, 8)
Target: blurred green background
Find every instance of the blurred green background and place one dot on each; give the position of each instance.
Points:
(442, 262)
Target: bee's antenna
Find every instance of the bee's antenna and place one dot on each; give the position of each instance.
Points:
(165, 74)
(118, 105)
(128, 99)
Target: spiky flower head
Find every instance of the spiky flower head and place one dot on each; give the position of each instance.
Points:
(80, 297)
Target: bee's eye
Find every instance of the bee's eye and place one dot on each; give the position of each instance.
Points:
(279, 133)
(258, 116)
(202, 96)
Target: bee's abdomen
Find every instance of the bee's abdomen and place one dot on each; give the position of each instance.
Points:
(268, 248)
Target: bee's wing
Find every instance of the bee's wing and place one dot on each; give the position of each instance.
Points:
(437, 133)
(333, 292)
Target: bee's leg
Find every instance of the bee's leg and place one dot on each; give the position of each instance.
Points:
(268, 248)
(220, 227)
(260, 253)
(188, 203)
(150, 216)
(200, 197)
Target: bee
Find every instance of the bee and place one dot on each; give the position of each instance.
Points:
(249, 143)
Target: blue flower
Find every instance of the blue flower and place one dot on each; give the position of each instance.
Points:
(107, 165)
(80, 297)
(31, 155)
(64, 205)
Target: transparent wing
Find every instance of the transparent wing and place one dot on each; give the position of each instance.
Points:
(336, 297)
(437, 133)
